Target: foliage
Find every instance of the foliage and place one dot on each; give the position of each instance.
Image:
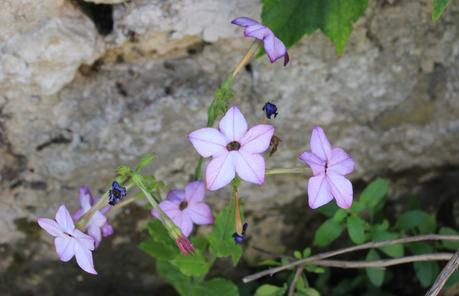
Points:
(439, 8)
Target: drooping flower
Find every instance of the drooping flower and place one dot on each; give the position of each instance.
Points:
(186, 206)
(69, 241)
(97, 225)
(329, 165)
(240, 238)
(274, 47)
(270, 110)
(234, 149)
(116, 194)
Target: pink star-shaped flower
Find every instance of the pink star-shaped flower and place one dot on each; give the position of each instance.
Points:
(69, 241)
(234, 149)
(186, 207)
(274, 47)
(98, 225)
(329, 165)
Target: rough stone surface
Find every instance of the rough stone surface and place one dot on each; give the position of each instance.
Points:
(68, 119)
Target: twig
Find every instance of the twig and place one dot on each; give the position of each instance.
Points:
(447, 271)
(369, 245)
(291, 289)
(386, 262)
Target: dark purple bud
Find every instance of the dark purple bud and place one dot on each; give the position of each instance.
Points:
(116, 194)
(270, 109)
(240, 238)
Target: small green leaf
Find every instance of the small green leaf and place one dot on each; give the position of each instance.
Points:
(216, 286)
(449, 244)
(374, 193)
(340, 215)
(426, 272)
(356, 229)
(329, 209)
(420, 248)
(270, 290)
(376, 275)
(306, 252)
(191, 265)
(417, 219)
(158, 250)
(315, 269)
(144, 161)
(220, 102)
(171, 274)
(307, 292)
(327, 233)
(391, 250)
(439, 8)
(297, 254)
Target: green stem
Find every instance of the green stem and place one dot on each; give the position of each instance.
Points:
(287, 171)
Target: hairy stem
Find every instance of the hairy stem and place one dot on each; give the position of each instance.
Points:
(287, 171)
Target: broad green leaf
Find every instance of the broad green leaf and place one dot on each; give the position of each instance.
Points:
(426, 272)
(417, 219)
(327, 233)
(374, 193)
(270, 290)
(191, 265)
(449, 244)
(391, 250)
(453, 279)
(307, 292)
(376, 275)
(158, 250)
(291, 19)
(216, 286)
(221, 240)
(356, 229)
(172, 275)
(439, 8)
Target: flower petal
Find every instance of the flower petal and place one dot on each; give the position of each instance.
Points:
(86, 199)
(340, 162)
(195, 192)
(257, 139)
(274, 48)
(341, 188)
(250, 167)
(233, 125)
(220, 171)
(208, 141)
(83, 239)
(318, 191)
(50, 226)
(316, 164)
(170, 208)
(176, 195)
(77, 215)
(107, 230)
(320, 145)
(244, 22)
(258, 31)
(98, 219)
(84, 258)
(64, 247)
(183, 221)
(96, 233)
(200, 213)
(64, 219)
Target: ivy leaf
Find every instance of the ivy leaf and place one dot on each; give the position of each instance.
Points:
(439, 8)
(391, 250)
(192, 265)
(426, 272)
(374, 193)
(376, 275)
(327, 233)
(270, 290)
(356, 229)
(291, 19)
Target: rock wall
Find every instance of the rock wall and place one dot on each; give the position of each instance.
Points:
(85, 88)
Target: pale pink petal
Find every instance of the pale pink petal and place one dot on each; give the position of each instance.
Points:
(183, 221)
(220, 171)
(86, 199)
(318, 191)
(208, 141)
(340, 162)
(199, 213)
(316, 164)
(320, 145)
(195, 192)
(257, 139)
(50, 226)
(107, 230)
(77, 215)
(83, 239)
(64, 219)
(84, 258)
(170, 208)
(341, 188)
(244, 22)
(98, 219)
(258, 31)
(64, 247)
(233, 124)
(96, 233)
(274, 48)
(176, 195)
(250, 167)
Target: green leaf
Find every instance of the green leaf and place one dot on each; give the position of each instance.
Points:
(270, 290)
(221, 240)
(220, 102)
(374, 193)
(307, 292)
(391, 250)
(144, 161)
(192, 265)
(449, 244)
(291, 19)
(306, 252)
(160, 245)
(426, 272)
(327, 233)
(417, 219)
(297, 254)
(340, 215)
(315, 269)
(420, 248)
(376, 275)
(216, 286)
(356, 229)
(439, 8)
(172, 275)
(453, 279)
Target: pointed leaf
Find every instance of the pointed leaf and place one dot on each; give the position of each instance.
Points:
(327, 233)
(376, 275)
